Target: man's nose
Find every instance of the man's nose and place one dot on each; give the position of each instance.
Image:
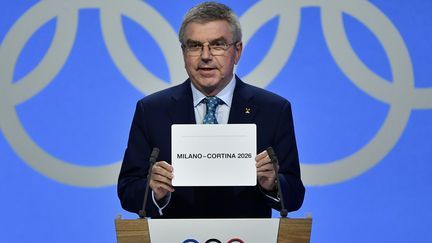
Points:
(206, 53)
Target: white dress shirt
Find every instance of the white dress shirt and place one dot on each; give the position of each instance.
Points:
(222, 111)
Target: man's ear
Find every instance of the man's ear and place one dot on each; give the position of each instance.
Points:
(239, 48)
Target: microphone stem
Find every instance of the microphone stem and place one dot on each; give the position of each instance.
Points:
(275, 162)
(142, 213)
(283, 212)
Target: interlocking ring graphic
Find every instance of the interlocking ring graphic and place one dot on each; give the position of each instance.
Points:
(400, 94)
(214, 240)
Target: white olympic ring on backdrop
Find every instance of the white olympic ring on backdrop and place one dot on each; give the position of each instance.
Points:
(400, 94)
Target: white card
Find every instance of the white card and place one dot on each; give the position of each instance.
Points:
(214, 155)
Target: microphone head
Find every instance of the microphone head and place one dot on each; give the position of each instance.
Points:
(154, 155)
(155, 152)
(271, 153)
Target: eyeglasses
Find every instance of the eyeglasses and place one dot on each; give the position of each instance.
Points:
(216, 49)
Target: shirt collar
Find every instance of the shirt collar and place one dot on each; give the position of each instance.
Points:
(225, 95)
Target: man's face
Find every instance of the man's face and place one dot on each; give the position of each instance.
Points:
(210, 73)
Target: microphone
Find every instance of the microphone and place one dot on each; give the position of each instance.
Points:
(271, 153)
(154, 154)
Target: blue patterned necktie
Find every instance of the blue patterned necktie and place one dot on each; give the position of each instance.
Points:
(212, 103)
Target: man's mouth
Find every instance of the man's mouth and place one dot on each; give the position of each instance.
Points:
(207, 71)
(206, 68)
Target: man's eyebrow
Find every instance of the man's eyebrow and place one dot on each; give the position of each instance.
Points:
(218, 40)
(190, 41)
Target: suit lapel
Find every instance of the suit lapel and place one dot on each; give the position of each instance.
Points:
(181, 109)
(243, 109)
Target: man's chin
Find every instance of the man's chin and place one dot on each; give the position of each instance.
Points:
(209, 82)
(209, 88)
(208, 85)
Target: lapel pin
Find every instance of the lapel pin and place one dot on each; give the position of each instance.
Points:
(247, 110)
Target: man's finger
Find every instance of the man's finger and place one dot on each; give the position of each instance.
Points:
(261, 155)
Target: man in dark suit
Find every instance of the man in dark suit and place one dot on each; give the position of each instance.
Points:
(210, 37)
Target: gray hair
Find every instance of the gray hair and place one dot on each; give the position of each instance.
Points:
(211, 11)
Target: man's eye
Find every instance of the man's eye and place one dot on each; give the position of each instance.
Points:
(218, 46)
(194, 46)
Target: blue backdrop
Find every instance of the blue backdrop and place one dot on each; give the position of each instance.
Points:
(356, 72)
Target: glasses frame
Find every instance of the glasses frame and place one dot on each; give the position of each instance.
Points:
(199, 49)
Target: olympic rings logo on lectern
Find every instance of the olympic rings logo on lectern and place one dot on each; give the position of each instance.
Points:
(214, 240)
(400, 93)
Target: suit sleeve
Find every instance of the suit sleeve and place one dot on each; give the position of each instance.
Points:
(132, 180)
(285, 147)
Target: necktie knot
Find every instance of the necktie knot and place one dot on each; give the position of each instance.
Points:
(212, 102)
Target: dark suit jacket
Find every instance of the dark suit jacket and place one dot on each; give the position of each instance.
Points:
(151, 127)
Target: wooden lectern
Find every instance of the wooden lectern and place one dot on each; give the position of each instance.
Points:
(290, 230)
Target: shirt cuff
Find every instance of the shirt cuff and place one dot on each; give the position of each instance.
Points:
(162, 203)
(276, 199)
(274, 196)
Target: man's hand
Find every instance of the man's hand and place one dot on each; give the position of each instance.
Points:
(161, 179)
(265, 172)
